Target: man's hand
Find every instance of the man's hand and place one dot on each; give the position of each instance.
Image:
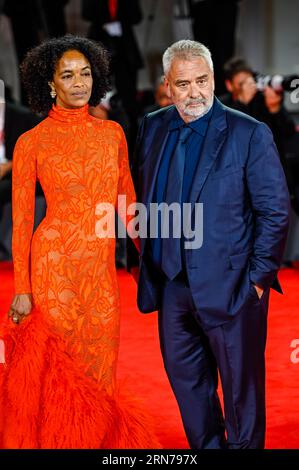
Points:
(259, 291)
(273, 100)
(20, 307)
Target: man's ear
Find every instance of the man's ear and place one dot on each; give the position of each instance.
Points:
(228, 86)
(167, 87)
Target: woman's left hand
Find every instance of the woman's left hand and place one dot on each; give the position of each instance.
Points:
(20, 308)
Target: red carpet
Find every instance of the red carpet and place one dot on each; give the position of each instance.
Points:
(141, 366)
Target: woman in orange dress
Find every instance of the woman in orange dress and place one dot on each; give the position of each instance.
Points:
(58, 386)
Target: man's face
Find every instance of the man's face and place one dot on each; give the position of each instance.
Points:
(190, 85)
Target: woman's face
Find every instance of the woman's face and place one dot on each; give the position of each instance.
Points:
(72, 80)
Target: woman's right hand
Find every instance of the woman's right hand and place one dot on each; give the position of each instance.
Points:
(20, 308)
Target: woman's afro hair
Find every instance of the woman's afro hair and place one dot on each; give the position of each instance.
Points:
(38, 68)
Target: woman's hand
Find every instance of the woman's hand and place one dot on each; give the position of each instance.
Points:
(20, 307)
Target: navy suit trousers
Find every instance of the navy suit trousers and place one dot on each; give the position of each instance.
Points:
(193, 357)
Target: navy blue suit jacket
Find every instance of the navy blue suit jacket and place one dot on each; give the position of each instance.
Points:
(245, 199)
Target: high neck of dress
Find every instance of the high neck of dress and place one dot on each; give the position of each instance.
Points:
(69, 115)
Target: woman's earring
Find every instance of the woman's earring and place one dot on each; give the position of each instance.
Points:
(53, 94)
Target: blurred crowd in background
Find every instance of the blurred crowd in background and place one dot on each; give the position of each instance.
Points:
(112, 22)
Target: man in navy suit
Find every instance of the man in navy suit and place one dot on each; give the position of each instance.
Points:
(212, 297)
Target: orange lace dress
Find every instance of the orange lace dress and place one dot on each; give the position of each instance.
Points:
(58, 382)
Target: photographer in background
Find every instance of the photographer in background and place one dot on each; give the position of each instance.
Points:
(266, 105)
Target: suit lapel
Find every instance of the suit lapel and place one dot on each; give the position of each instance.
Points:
(156, 151)
(152, 162)
(215, 137)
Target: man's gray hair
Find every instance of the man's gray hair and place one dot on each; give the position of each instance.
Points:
(186, 50)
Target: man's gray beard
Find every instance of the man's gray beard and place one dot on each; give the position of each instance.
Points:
(194, 114)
